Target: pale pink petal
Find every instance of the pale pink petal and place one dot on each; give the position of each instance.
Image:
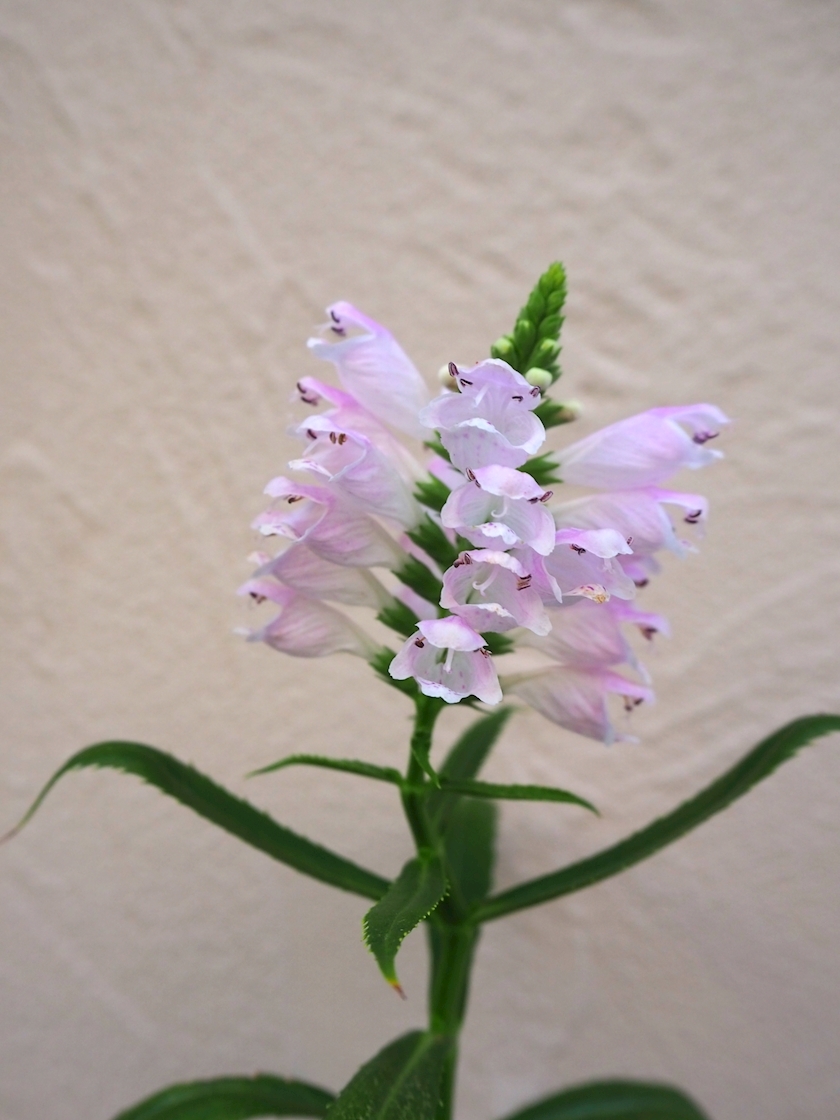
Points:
(648, 623)
(490, 420)
(307, 628)
(355, 466)
(576, 567)
(331, 528)
(491, 591)
(637, 514)
(374, 368)
(642, 450)
(577, 698)
(587, 635)
(310, 574)
(447, 659)
(485, 517)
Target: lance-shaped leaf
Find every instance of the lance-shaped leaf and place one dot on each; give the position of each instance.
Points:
(347, 765)
(761, 761)
(411, 897)
(470, 843)
(467, 757)
(498, 791)
(232, 1098)
(401, 1083)
(215, 804)
(614, 1100)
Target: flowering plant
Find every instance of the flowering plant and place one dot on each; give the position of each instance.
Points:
(465, 548)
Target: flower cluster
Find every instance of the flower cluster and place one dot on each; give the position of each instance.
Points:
(484, 558)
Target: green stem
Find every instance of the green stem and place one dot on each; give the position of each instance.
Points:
(452, 937)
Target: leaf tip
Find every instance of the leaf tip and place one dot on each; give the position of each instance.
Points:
(398, 988)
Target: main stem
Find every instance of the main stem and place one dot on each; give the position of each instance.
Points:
(452, 936)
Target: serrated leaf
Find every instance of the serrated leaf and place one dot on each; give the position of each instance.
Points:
(399, 617)
(496, 791)
(429, 536)
(411, 897)
(432, 492)
(215, 804)
(553, 413)
(414, 574)
(348, 765)
(232, 1098)
(401, 1083)
(614, 1100)
(759, 763)
(543, 469)
(470, 842)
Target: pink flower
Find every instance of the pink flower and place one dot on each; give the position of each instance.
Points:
(585, 562)
(499, 505)
(492, 592)
(576, 698)
(373, 367)
(304, 627)
(587, 635)
(490, 421)
(355, 466)
(448, 659)
(638, 515)
(643, 450)
(310, 574)
(331, 528)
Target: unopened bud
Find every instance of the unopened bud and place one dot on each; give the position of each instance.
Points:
(446, 379)
(502, 348)
(540, 378)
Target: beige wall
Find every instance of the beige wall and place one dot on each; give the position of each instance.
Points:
(185, 186)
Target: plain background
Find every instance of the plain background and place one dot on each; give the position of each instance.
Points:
(185, 186)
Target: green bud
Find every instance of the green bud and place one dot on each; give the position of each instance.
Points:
(547, 350)
(503, 348)
(524, 334)
(540, 378)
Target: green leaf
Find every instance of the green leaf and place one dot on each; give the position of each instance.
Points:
(543, 469)
(411, 897)
(498, 644)
(429, 536)
(401, 1083)
(414, 574)
(232, 1098)
(399, 617)
(432, 492)
(471, 788)
(470, 843)
(761, 761)
(614, 1100)
(554, 413)
(215, 804)
(348, 765)
(469, 753)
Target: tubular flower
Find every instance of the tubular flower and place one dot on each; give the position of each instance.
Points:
(479, 552)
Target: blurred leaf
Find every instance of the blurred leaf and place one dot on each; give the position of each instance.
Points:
(401, 1083)
(465, 759)
(761, 761)
(232, 1098)
(411, 897)
(470, 842)
(348, 765)
(552, 414)
(543, 469)
(471, 788)
(429, 536)
(614, 1100)
(399, 617)
(432, 492)
(380, 662)
(231, 813)
(414, 574)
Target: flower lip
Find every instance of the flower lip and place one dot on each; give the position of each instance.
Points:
(451, 633)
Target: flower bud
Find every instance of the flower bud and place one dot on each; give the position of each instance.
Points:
(503, 348)
(540, 378)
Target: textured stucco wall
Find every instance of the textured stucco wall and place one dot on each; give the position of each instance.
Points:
(184, 187)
